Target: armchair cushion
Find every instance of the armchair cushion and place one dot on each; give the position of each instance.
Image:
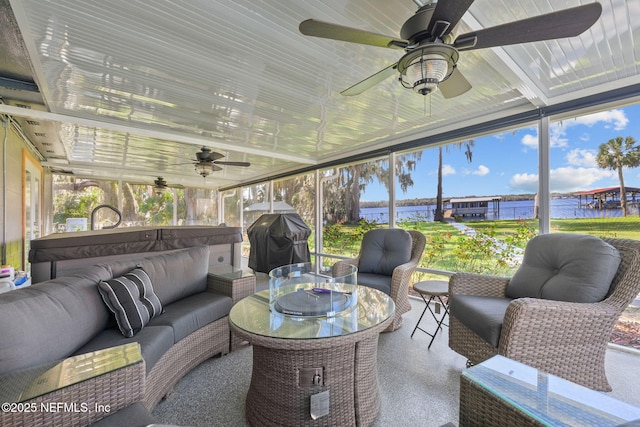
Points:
(483, 315)
(565, 267)
(384, 249)
(376, 281)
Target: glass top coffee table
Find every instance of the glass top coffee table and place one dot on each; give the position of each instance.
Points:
(313, 369)
(503, 392)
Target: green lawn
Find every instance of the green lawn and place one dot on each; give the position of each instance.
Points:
(450, 250)
(619, 227)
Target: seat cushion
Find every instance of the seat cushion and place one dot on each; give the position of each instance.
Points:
(483, 315)
(192, 313)
(131, 299)
(384, 249)
(376, 281)
(565, 267)
(154, 342)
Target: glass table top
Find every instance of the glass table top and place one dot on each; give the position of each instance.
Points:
(550, 400)
(22, 385)
(253, 315)
(230, 272)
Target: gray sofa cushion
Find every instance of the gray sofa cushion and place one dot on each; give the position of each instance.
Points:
(131, 299)
(376, 281)
(49, 320)
(483, 315)
(192, 313)
(174, 275)
(384, 249)
(154, 342)
(565, 267)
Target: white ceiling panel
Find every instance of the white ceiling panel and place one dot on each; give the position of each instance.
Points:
(139, 86)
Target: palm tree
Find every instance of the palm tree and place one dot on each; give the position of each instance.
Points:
(438, 215)
(616, 154)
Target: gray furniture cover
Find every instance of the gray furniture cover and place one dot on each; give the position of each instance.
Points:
(277, 240)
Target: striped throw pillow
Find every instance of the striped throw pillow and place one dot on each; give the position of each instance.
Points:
(131, 299)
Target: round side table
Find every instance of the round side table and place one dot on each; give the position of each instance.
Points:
(435, 289)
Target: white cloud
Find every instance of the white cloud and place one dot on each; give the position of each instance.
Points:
(448, 170)
(557, 137)
(530, 141)
(563, 180)
(481, 171)
(615, 119)
(582, 157)
(524, 182)
(576, 179)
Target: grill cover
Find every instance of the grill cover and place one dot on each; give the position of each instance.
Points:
(277, 240)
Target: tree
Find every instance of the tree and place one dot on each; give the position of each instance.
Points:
(616, 154)
(356, 178)
(439, 214)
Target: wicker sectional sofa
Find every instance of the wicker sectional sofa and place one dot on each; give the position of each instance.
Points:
(67, 316)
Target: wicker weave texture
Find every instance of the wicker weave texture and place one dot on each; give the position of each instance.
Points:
(350, 372)
(565, 339)
(235, 288)
(186, 354)
(86, 402)
(400, 279)
(479, 408)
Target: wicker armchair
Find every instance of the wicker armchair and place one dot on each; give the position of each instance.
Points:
(400, 278)
(566, 339)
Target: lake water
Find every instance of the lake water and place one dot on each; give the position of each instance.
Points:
(519, 209)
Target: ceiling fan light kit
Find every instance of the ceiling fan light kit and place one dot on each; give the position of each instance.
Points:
(423, 69)
(203, 169)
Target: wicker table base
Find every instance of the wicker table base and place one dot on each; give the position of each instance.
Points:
(281, 389)
(350, 374)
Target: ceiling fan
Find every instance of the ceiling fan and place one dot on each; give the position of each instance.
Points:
(207, 161)
(432, 52)
(160, 186)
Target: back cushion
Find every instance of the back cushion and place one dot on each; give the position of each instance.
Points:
(175, 275)
(384, 249)
(565, 267)
(50, 320)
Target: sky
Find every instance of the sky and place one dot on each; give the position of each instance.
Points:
(507, 163)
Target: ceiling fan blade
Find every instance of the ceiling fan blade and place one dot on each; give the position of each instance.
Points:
(243, 164)
(326, 30)
(455, 85)
(213, 156)
(370, 81)
(563, 23)
(446, 16)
